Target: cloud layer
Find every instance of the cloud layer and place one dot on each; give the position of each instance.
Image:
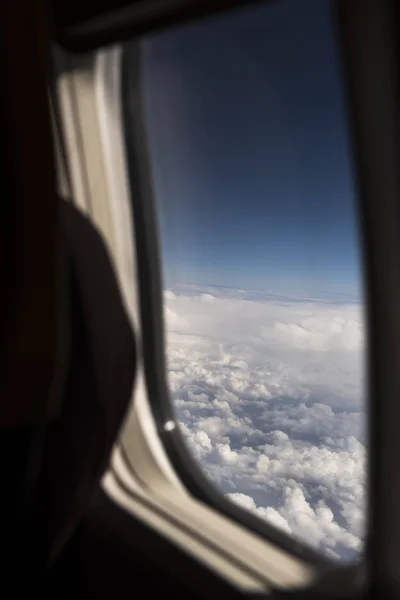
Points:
(269, 394)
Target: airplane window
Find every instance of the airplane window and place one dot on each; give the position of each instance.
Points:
(262, 266)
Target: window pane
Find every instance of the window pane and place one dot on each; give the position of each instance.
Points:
(261, 262)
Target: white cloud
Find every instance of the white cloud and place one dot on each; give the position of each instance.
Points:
(207, 298)
(173, 320)
(271, 402)
(168, 295)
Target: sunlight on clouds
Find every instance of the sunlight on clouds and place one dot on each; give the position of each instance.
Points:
(270, 400)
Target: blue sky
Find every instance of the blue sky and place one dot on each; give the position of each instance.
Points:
(249, 152)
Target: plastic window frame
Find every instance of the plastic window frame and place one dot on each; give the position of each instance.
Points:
(369, 37)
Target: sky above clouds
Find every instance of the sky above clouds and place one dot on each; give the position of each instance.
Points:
(263, 297)
(248, 140)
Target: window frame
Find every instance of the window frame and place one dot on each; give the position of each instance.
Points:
(369, 38)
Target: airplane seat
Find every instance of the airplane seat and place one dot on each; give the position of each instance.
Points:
(98, 386)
